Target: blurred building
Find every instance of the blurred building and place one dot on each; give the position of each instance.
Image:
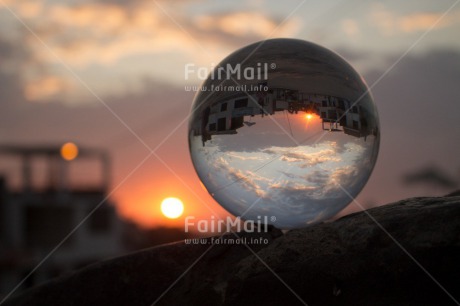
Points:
(39, 218)
(227, 115)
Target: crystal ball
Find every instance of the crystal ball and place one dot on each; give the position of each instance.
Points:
(284, 132)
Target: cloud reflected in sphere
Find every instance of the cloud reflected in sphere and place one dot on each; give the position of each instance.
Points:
(284, 128)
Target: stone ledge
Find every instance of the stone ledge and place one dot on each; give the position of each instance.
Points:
(350, 261)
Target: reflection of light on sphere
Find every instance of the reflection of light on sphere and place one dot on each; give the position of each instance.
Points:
(293, 135)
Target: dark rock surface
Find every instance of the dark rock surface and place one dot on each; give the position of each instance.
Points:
(406, 253)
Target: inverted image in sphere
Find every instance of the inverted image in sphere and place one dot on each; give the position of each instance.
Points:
(284, 131)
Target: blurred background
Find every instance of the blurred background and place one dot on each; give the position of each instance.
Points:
(87, 87)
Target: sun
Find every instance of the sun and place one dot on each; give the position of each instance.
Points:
(309, 116)
(172, 208)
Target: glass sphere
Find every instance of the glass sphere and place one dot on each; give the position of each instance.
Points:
(285, 132)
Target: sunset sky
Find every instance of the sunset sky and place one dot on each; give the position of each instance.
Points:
(110, 74)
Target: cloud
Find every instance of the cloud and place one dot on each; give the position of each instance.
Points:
(391, 23)
(106, 31)
(14, 60)
(320, 184)
(11, 56)
(430, 176)
(46, 87)
(297, 185)
(306, 156)
(383, 19)
(116, 34)
(424, 21)
(246, 157)
(245, 23)
(101, 17)
(29, 8)
(318, 177)
(351, 28)
(248, 179)
(34, 80)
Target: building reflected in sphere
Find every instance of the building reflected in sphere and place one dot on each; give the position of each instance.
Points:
(284, 129)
